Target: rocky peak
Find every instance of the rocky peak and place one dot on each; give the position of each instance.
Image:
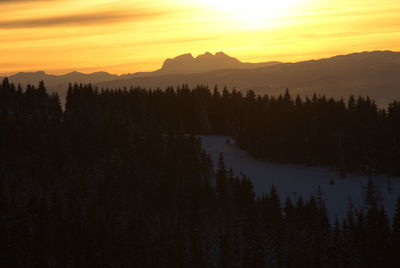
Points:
(206, 62)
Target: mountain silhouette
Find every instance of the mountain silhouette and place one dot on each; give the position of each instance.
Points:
(59, 81)
(183, 64)
(186, 64)
(374, 74)
(204, 63)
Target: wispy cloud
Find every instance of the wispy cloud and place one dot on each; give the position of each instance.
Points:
(84, 19)
(26, 1)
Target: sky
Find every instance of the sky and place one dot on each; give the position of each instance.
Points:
(126, 36)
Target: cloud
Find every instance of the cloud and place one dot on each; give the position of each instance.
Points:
(20, 1)
(86, 19)
(9, 2)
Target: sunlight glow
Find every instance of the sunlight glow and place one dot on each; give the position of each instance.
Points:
(126, 36)
(253, 14)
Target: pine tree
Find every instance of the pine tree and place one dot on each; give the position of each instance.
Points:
(371, 196)
(396, 235)
(222, 179)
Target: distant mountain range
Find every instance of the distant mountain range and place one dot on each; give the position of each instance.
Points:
(376, 74)
(187, 64)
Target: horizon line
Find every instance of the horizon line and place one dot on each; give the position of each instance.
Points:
(3, 75)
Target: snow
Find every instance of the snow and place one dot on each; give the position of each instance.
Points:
(297, 180)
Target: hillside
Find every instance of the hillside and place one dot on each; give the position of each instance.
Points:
(296, 180)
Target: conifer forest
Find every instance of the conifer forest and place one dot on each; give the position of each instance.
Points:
(118, 178)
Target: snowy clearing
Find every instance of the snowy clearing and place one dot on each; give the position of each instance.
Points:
(296, 180)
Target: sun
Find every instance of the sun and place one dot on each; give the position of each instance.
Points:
(253, 13)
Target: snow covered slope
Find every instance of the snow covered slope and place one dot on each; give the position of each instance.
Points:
(297, 180)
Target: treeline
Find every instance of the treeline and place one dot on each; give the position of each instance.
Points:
(118, 180)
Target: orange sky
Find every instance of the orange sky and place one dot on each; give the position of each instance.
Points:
(126, 36)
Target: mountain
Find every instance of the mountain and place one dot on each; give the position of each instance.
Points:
(186, 64)
(375, 74)
(55, 80)
(59, 83)
(204, 63)
(183, 64)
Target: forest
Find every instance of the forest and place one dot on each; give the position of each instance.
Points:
(354, 135)
(118, 178)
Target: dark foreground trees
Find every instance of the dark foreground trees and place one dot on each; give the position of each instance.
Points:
(353, 135)
(117, 180)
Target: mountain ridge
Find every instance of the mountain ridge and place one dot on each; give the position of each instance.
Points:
(373, 73)
(228, 62)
